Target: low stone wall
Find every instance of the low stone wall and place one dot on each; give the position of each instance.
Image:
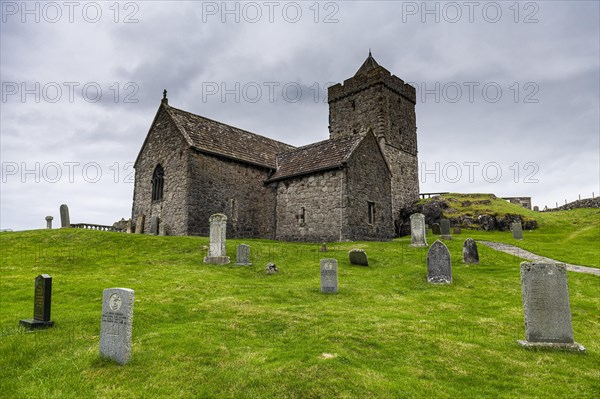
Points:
(584, 203)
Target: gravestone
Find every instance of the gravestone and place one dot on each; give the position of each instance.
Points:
(271, 268)
(417, 230)
(358, 257)
(242, 256)
(42, 302)
(139, 224)
(329, 276)
(161, 229)
(117, 324)
(517, 231)
(129, 227)
(435, 229)
(456, 230)
(546, 307)
(470, 252)
(445, 229)
(218, 232)
(49, 222)
(536, 208)
(154, 225)
(324, 247)
(439, 265)
(65, 220)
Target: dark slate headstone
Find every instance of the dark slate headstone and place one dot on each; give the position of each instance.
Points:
(546, 307)
(517, 230)
(117, 324)
(445, 229)
(439, 265)
(470, 252)
(65, 220)
(154, 225)
(329, 276)
(41, 304)
(358, 257)
(435, 229)
(242, 257)
(324, 247)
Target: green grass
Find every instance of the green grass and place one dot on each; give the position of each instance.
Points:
(568, 236)
(206, 331)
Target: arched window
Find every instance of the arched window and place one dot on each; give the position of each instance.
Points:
(157, 183)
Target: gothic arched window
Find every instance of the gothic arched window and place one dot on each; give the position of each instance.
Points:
(157, 183)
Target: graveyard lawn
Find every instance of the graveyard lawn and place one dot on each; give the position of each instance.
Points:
(229, 331)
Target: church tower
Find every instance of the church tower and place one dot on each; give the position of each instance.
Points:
(374, 98)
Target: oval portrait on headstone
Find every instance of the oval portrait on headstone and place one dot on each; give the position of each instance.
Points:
(114, 302)
(328, 266)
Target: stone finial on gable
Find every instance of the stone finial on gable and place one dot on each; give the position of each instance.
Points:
(165, 100)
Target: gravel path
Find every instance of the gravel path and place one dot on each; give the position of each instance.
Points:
(521, 253)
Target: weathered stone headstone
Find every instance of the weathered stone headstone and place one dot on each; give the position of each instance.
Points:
(435, 229)
(117, 324)
(439, 264)
(161, 229)
(456, 230)
(242, 256)
(417, 230)
(218, 233)
(49, 222)
(65, 220)
(445, 229)
(517, 230)
(536, 208)
(470, 252)
(546, 307)
(139, 224)
(324, 247)
(271, 268)
(42, 302)
(154, 225)
(358, 257)
(129, 226)
(329, 276)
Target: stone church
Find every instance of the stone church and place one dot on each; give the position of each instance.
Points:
(348, 187)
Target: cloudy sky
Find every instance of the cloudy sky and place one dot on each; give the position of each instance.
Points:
(508, 97)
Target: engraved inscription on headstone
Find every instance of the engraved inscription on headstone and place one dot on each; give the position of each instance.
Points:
(41, 304)
(517, 230)
(216, 249)
(470, 252)
(329, 276)
(445, 229)
(242, 257)
(358, 257)
(65, 220)
(117, 324)
(417, 230)
(439, 265)
(546, 307)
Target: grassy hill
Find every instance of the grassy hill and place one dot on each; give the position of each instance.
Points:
(203, 331)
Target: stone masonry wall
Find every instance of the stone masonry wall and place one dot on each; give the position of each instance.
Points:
(320, 195)
(220, 185)
(383, 102)
(165, 146)
(367, 180)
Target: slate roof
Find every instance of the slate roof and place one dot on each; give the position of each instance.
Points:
(324, 155)
(369, 64)
(218, 138)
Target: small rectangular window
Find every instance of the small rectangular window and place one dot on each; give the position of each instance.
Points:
(302, 218)
(370, 212)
